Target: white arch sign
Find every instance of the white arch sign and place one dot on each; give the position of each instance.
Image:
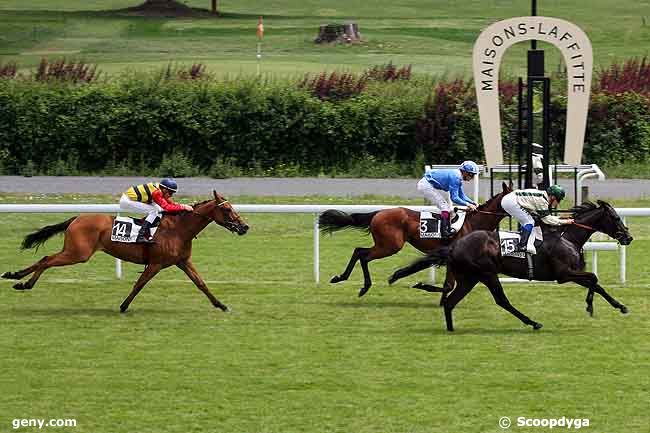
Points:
(578, 56)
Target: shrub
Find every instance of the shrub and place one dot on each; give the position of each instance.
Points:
(388, 72)
(62, 70)
(632, 75)
(177, 164)
(334, 86)
(8, 70)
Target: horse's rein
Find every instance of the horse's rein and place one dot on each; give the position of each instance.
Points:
(487, 212)
(207, 217)
(583, 226)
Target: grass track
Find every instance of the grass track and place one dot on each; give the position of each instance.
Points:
(436, 38)
(295, 357)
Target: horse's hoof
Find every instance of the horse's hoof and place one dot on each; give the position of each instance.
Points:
(590, 310)
(123, 309)
(225, 309)
(363, 291)
(336, 279)
(8, 275)
(537, 326)
(21, 286)
(392, 279)
(624, 309)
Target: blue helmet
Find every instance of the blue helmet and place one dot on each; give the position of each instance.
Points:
(169, 184)
(469, 167)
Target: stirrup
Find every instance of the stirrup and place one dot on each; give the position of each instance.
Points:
(141, 239)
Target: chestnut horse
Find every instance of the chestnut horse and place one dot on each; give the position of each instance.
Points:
(86, 234)
(392, 228)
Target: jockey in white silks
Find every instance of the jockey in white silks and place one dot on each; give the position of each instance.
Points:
(524, 203)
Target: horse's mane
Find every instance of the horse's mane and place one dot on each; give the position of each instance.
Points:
(184, 212)
(488, 201)
(583, 208)
(200, 203)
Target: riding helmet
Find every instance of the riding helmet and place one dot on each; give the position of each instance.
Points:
(169, 184)
(469, 167)
(557, 191)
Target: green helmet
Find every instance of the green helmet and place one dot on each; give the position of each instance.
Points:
(557, 191)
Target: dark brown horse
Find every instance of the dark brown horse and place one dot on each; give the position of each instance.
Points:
(477, 258)
(392, 228)
(86, 234)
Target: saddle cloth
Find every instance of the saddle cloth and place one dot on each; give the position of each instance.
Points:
(509, 240)
(430, 224)
(126, 229)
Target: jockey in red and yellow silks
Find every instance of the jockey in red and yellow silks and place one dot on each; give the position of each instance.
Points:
(151, 198)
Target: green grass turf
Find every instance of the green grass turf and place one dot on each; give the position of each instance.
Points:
(435, 37)
(298, 357)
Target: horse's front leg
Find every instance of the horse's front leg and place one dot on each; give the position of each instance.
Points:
(590, 302)
(149, 272)
(590, 281)
(191, 272)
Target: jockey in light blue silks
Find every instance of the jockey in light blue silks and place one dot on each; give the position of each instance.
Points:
(437, 183)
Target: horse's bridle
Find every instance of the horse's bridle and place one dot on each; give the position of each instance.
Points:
(230, 225)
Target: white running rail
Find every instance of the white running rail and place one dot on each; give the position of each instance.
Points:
(316, 210)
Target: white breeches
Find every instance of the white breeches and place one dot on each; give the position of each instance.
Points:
(434, 196)
(510, 205)
(128, 205)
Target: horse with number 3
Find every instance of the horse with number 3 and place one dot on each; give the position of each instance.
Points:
(392, 228)
(86, 234)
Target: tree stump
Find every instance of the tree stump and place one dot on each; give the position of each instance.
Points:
(347, 32)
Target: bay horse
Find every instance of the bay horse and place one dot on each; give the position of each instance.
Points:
(477, 258)
(392, 228)
(86, 234)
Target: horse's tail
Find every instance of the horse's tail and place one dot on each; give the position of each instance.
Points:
(39, 237)
(333, 220)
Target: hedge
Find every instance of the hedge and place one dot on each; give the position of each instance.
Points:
(135, 124)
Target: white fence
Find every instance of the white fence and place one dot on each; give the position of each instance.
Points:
(316, 210)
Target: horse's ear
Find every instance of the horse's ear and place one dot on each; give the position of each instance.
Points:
(506, 187)
(214, 193)
(603, 203)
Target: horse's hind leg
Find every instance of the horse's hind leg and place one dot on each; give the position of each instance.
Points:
(62, 258)
(19, 275)
(464, 285)
(496, 289)
(450, 280)
(348, 270)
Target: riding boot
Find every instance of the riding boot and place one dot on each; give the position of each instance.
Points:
(445, 230)
(144, 235)
(523, 240)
